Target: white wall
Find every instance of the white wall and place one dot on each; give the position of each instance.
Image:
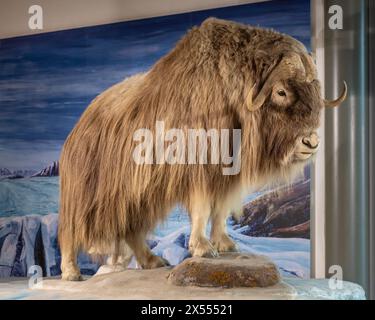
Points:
(68, 14)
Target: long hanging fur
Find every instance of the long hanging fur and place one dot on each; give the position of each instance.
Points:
(202, 83)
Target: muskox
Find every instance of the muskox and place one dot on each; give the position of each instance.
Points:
(220, 75)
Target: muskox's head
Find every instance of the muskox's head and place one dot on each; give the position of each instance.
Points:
(273, 78)
(289, 102)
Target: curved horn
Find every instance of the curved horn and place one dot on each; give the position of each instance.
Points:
(338, 101)
(249, 101)
(287, 67)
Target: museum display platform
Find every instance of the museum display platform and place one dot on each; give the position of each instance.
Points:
(153, 284)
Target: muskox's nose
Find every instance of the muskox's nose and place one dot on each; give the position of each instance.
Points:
(312, 141)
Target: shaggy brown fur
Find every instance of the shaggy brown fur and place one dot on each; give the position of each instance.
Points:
(204, 82)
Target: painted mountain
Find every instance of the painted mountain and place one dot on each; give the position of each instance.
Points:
(5, 172)
(50, 171)
(15, 174)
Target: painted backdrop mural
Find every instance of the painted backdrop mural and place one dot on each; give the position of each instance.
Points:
(46, 82)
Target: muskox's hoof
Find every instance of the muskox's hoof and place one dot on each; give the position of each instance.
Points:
(203, 248)
(224, 244)
(71, 276)
(155, 262)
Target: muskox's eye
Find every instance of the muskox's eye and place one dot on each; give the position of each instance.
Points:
(281, 93)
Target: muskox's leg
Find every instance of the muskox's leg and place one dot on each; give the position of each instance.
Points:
(219, 237)
(199, 245)
(69, 267)
(143, 254)
(124, 257)
(116, 262)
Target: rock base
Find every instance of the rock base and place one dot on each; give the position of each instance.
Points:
(230, 270)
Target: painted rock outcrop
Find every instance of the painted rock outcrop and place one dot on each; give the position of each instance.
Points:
(32, 240)
(283, 212)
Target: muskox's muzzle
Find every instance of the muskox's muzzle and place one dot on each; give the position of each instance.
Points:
(312, 142)
(307, 146)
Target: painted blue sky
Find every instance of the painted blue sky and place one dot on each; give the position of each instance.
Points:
(47, 80)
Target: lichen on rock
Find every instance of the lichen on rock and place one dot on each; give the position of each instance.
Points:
(228, 271)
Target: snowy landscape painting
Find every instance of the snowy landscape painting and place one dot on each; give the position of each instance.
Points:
(47, 81)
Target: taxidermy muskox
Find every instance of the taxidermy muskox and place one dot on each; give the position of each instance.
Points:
(221, 75)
